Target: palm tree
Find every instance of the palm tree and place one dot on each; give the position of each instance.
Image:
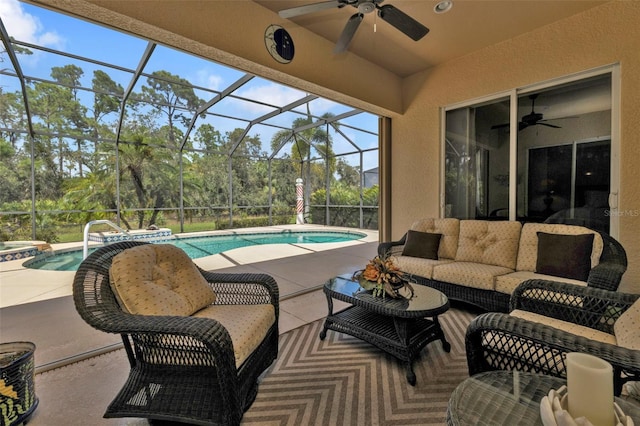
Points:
(315, 137)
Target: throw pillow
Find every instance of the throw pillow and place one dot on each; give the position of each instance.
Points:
(422, 244)
(627, 327)
(567, 256)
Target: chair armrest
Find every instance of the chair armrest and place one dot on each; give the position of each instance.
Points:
(498, 341)
(243, 289)
(392, 248)
(587, 306)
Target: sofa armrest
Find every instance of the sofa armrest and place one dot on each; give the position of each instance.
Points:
(606, 275)
(587, 306)
(392, 248)
(613, 264)
(498, 341)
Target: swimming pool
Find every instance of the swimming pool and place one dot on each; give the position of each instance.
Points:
(202, 246)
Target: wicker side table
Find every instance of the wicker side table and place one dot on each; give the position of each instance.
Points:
(399, 327)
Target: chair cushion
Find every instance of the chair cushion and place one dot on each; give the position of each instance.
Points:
(422, 244)
(569, 327)
(567, 256)
(247, 325)
(627, 327)
(158, 279)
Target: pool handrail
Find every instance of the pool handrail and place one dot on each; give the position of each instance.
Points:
(85, 246)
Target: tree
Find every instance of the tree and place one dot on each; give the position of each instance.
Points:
(171, 95)
(348, 174)
(75, 113)
(301, 148)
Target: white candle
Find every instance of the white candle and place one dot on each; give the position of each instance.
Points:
(590, 388)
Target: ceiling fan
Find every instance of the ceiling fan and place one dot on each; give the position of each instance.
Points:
(531, 119)
(403, 22)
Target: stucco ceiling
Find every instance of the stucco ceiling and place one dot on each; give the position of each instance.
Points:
(469, 25)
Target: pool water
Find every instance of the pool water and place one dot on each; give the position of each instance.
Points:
(197, 247)
(10, 246)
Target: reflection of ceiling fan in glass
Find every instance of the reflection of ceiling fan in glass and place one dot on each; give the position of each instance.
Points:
(531, 119)
(388, 13)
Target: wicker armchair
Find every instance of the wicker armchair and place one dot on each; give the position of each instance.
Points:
(499, 341)
(182, 368)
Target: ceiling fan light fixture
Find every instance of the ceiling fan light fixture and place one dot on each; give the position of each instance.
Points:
(443, 6)
(366, 7)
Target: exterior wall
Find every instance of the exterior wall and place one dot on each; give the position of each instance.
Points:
(600, 36)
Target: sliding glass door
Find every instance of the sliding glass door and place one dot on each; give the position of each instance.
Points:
(570, 183)
(476, 165)
(540, 154)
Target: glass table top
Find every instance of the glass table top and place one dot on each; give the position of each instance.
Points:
(424, 298)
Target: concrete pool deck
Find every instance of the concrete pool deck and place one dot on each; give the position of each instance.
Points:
(36, 305)
(20, 285)
(74, 388)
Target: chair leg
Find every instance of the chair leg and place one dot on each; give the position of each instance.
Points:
(251, 396)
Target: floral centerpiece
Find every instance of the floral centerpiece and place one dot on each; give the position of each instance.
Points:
(382, 277)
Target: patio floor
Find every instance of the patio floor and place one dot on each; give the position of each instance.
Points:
(36, 306)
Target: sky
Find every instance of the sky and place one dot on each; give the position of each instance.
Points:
(32, 24)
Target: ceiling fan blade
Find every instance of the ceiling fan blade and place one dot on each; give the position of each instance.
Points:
(548, 125)
(561, 118)
(309, 8)
(402, 21)
(500, 126)
(348, 32)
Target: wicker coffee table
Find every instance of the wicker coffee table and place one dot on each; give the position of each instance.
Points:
(399, 327)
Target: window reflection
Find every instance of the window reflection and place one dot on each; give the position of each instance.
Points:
(563, 157)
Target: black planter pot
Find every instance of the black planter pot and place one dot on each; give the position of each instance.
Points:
(17, 389)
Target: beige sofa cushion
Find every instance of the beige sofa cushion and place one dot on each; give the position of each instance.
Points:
(508, 282)
(627, 327)
(528, 248)
(448, 227)
(418, 266)
(491, 243)
(158, 279)
(469, 274)
(247, 325)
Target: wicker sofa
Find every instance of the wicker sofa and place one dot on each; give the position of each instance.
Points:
(482, 262)
(197, 341)
(550, 319)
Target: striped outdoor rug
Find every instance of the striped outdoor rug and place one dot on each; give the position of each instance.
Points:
(345, 381)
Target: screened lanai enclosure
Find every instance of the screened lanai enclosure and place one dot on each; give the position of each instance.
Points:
(96, 124)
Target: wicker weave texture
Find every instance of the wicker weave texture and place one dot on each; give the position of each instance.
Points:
(498, 341)
(182, 368)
